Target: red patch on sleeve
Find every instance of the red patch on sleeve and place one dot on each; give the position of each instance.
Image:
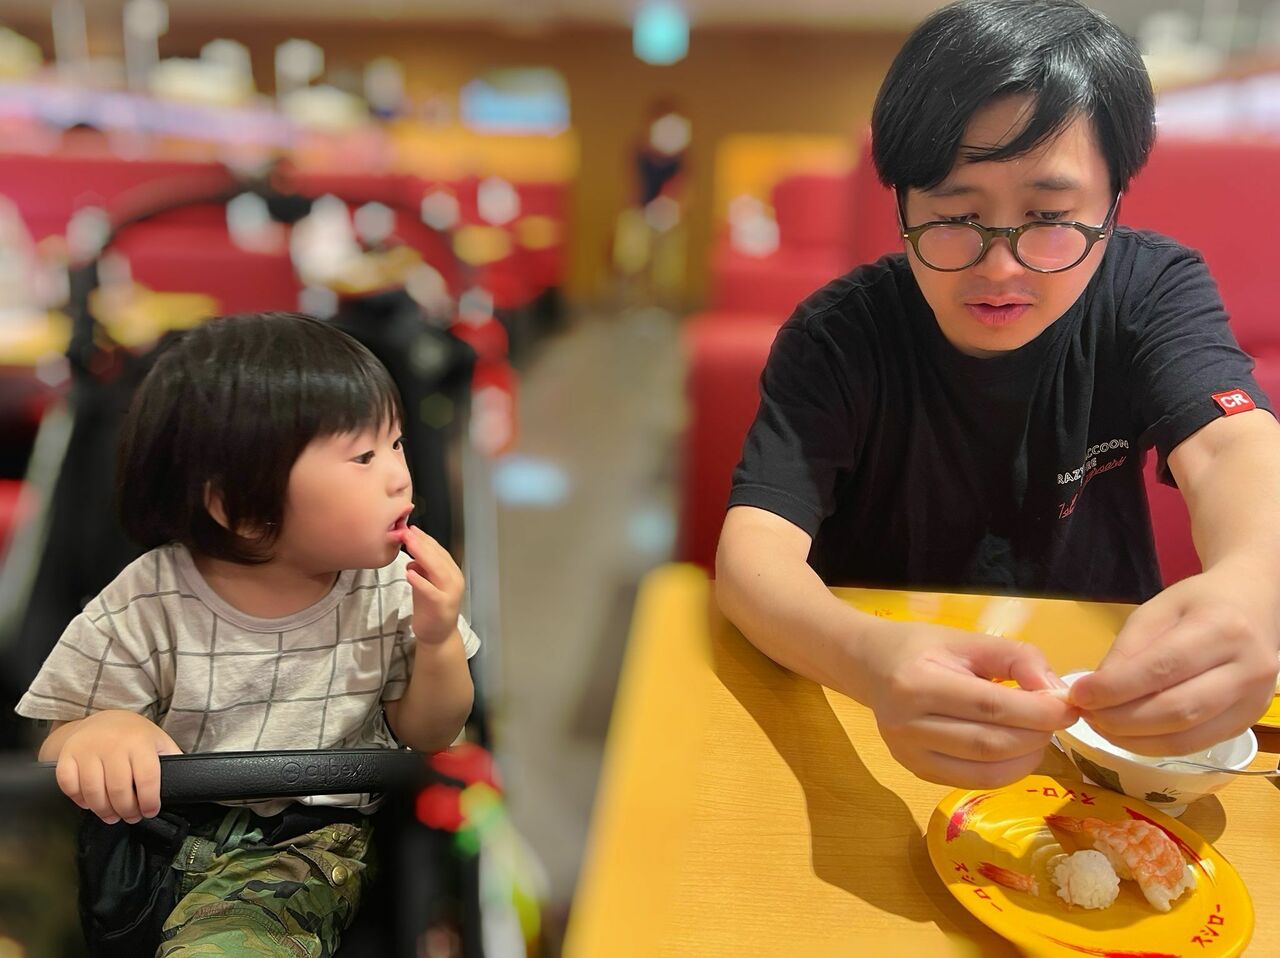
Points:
(1233, 401)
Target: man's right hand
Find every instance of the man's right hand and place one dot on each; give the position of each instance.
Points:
(109, 763)
(943, 716)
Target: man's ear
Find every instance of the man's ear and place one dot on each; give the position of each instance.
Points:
(214, 506)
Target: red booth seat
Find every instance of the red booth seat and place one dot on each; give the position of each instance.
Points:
(812, 210)
(724, 354)
(1218, 197)
(773, 283)
(874, 231)
(183, 260)
(47, 189)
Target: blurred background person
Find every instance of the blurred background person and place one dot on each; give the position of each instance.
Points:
(649, 243)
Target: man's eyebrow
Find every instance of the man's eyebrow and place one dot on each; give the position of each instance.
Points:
(1058, 183)
(1054, 183)
(943, 191)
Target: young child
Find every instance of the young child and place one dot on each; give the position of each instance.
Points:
(262, 467)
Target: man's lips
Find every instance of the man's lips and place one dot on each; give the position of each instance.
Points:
(998, 301)
(997, 315)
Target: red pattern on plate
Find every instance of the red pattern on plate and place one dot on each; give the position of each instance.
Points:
(1103, 953)
(960, 818)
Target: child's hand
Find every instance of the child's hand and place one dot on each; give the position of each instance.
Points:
(437, 585)
(110, 765)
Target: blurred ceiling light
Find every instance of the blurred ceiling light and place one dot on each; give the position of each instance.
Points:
(440, 210)
(660, 32)
(1218, 25)
(324, 108)
(482, 245)
(1269, 28)
(516, 100)
(753, 231)
(527, 481)
(70, 37)
(218, 82)
(318, 301)
(1172, 54)
(475, 306)
(539, 232)
(374, 222)
(427, 287)
(662, 214)
(87, 232)
(250, 226)
(146, 18)
(323, 244)
(298, 62)
(19, 57)
(145, 22)
(384, 86)
(670, 134)
(497, 201)
(228, 54)
(222, 75)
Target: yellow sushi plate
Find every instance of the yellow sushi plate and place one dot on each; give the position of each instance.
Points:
(1271, 718)
(1006, 827)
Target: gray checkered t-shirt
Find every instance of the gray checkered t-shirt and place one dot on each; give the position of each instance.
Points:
(158, 641)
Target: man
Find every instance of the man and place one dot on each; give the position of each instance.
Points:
(971, 414)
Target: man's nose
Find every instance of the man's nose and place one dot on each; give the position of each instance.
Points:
(999, 262)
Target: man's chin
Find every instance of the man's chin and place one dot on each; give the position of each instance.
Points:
(986, 342)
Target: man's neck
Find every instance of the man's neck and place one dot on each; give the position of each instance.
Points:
(272, 590)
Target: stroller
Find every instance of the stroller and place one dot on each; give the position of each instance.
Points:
(429, 884)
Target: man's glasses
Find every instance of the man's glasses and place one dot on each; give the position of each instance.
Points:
(1042, 247)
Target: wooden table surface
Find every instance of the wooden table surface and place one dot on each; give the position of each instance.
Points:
(745, 811)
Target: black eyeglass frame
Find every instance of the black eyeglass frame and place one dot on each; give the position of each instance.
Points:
(1092, 235)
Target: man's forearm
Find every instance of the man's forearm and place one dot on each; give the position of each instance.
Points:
(438, 698)
(787, 612)
(1230, 524)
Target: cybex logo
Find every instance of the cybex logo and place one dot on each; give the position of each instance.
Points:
(1233, 401)
(330, 771)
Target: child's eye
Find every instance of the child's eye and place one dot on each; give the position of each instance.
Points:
(364, 458)
(398, 444)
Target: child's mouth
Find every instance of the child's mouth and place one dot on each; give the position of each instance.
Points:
(401, 523)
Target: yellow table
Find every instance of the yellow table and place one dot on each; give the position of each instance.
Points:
(744, 811)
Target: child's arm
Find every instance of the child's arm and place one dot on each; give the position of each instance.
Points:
(109, 763)
(437, 700)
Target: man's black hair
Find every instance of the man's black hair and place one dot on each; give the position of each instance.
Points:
(227, 409)
(1071, 61)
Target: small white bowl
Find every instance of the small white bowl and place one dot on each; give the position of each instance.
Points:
(1170, 789)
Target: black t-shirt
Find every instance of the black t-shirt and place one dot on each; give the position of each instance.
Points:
(914, 465)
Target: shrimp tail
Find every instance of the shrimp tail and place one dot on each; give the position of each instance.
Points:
(1065, 823)
(1008, 878)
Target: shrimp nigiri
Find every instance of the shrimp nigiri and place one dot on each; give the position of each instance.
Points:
(1137, 850)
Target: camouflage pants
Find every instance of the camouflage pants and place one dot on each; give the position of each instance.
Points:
(239, 896)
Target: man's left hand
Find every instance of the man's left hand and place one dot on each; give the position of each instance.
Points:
(1192, 667)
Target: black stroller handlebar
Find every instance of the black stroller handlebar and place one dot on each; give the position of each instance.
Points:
(222, 776)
